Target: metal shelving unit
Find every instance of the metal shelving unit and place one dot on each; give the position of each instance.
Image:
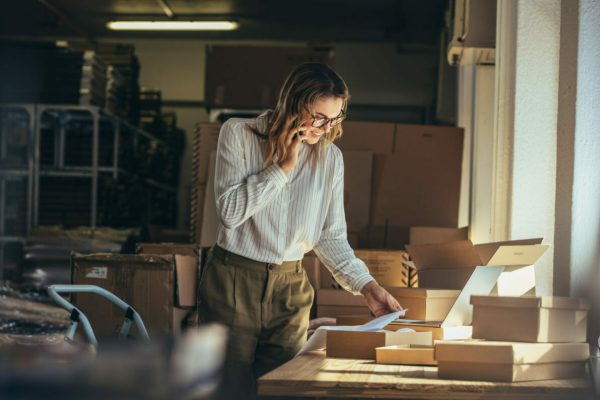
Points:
(17, 124)
(46, 150)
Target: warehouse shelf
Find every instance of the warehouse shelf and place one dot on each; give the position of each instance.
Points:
(97, 155)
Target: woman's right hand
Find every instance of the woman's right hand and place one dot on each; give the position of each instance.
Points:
(292, 141)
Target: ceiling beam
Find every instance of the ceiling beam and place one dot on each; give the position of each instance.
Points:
(69, 21)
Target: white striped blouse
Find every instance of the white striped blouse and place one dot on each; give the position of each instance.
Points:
(268, 216)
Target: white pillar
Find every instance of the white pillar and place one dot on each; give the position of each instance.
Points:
(526, 115)
(585, 226)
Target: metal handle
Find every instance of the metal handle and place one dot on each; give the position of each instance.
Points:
(78, 316)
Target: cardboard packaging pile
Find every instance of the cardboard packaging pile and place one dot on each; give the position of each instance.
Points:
(523, 339)
(160, 286)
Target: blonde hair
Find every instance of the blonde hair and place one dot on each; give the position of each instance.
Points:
(303, 87)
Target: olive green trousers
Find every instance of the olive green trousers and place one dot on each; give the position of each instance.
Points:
(266, 308)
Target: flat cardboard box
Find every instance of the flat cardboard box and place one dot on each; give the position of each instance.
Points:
(197, 209)
(336, 302)
(425, 304)
(357, 187)
(419, 184)
(437, 332)
(405, 355)
(530, 319)
(509, 372)
(210, 220)
(207, 137)
(375, 137)
(510, 361)
(237, 76)
(429, 234)
(361, 344)
(449, 265)
(187, 264)
(386, 266)
(147, 282)
(339, 297)
(337, 311)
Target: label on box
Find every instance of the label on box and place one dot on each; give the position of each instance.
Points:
(97, 272)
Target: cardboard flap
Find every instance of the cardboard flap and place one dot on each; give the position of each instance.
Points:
(486, 251)
(531, 302)
(459, 254)
(168, 248)
(518, 255)
(187, 277)
(510, 352)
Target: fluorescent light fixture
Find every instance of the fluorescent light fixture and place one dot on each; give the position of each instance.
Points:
(172, 25)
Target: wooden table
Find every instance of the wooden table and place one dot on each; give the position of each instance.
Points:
(314, 375)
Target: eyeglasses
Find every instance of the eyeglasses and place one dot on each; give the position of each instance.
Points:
(319, 122)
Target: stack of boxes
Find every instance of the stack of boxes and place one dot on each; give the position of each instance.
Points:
(519, 339)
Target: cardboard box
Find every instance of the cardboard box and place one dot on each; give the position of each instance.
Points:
(147, 282)
(530, 319)
(419, 184)
(386, 266)
(361, 345)
(337, 311)
(357, 188)
(429, 235)
(312, 266)
(187, 268)
(405, 355)
(437, 332)
(334, 302)
(197, 209)
(210, 220)
(375, 137)
(205, 142)
(449, 265)
(326, 280)
(425, 304)
(237, 76)
(455, 324)
(510, 362)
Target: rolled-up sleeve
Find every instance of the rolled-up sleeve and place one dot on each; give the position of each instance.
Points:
(333, 248)
(238, 193)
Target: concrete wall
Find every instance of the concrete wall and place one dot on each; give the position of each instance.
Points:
(554, 148)
(585, 226)
(534, 156)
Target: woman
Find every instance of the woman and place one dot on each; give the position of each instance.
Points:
(279, 193)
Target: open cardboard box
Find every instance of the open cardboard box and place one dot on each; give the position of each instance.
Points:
(424, 304)
(449, 265)
(147, 282)
(456, 324)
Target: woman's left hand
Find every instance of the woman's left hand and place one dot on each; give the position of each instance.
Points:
(379, 300)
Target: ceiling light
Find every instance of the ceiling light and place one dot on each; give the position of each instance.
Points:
(172, 25)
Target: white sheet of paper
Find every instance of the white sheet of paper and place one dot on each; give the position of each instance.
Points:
(318, 339)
